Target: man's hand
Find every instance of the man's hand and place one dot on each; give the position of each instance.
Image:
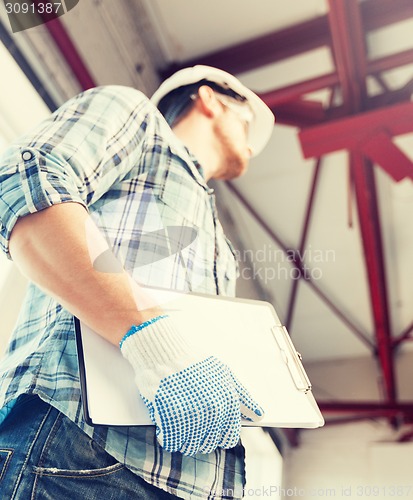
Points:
(194, 400)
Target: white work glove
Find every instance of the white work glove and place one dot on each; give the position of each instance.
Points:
(195, 401)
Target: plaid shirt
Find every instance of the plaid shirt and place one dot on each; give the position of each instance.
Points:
(110, 150)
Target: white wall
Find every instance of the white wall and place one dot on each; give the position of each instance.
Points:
(354, 460)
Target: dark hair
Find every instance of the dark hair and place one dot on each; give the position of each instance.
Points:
(177, 103)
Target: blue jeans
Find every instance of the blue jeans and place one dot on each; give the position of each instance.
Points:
(45, 456)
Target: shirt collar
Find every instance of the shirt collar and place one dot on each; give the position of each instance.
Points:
(195, 168)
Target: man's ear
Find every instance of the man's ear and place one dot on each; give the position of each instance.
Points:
(207, 101)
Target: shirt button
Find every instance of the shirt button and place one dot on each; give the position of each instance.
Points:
(27, 155)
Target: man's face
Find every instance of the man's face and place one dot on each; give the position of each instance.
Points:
(231, 130)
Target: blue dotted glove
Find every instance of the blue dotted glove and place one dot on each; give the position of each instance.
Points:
(195, 401)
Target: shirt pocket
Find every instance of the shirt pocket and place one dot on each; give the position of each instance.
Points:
(188, 219)
(184, 202)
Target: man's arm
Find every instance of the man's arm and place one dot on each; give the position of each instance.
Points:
(55, 248)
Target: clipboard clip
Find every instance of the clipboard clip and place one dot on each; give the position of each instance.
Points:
(292, 358)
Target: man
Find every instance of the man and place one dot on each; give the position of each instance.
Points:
(91, 203)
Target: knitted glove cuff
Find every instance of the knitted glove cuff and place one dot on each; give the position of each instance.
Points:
(155, 343)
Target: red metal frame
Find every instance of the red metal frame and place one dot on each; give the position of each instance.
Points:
(303, 240)
(370, 229)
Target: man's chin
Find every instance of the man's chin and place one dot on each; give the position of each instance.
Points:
(233, 173)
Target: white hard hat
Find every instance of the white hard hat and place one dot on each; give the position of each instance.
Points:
(260, 129)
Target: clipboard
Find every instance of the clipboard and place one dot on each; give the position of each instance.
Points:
(245, 334)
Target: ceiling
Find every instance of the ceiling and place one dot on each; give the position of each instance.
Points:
(322, 220)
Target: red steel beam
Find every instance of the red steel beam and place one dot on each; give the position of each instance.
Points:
(351, 418)
(292, 92)
(356, 131)
(405, 335)
(380, 13)
(301, 113)
(390, 62)
(381, 150)
(369, 219)
(71, 55)
(365, 406)
(340, 39)
(405, 437)
(266, 49)
(306, 228)
(349, 50)
(389, 98)
(68, 49)
(276, 97)
(303, 240)
(306, 116)
(296, 39)
(348, 133)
